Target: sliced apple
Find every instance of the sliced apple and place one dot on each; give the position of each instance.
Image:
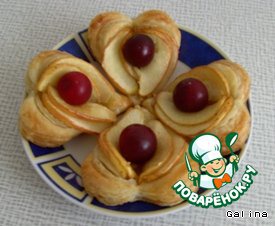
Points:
(108, 142)
(102, 28)
(103, 92)
(106, 161)
(110, 30)
(125, 77)
(117, 164)
(88, 69)
(95, 26)
(172, 65)
(160, 68)
(55, 71)
(128, 67)
(90, 111)
(162, 154)
(71, 121)
(169, 150)
(109, 139)
(244, 79)
(191, 130)
(114, 67)
(165, 102)
(214, 81)
(183, 130)
(152, 74)
(39, 63)
(46, 113)
(104, 88)
(231, 77)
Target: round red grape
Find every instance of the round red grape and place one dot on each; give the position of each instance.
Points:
(137, 143)
(74, 88)
(139, 50)
(190, 95)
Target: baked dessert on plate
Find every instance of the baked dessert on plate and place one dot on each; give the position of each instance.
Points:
(106, 123)
(51, 116)
(138, 55)
(219, 106)
(137, 159)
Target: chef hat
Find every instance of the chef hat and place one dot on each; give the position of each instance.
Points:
(205, 148)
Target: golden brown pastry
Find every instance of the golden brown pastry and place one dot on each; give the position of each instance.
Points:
(46, 119)
(113, 180)
(113, 37)
(228, 88)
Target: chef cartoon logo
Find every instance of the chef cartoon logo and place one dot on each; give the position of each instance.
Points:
(206, 150)
(216, 172)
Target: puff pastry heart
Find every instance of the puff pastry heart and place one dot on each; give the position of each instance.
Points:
(109, 31)
(46, 119)
(111, 179)
(228, 89)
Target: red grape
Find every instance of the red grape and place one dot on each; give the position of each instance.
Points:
(74, 88)
(190, 95)
(137, 143)
(139, 50)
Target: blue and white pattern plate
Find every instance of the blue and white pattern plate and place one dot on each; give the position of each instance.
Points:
(60, 166)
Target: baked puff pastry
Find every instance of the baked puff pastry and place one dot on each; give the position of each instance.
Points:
(228, 87)
(112, 180)
(107, 34)
(46, 119)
